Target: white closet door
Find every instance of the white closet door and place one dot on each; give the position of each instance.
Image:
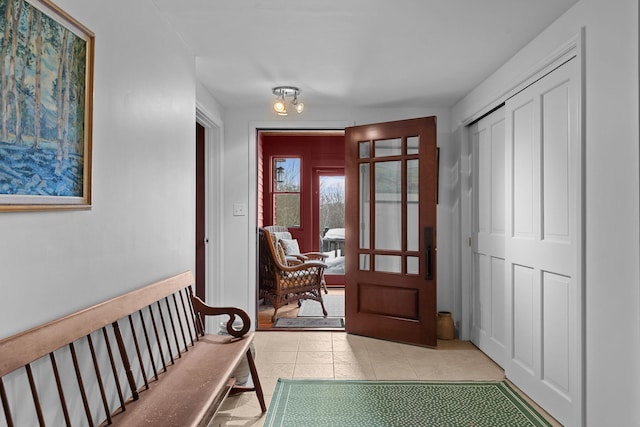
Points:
(543, 222)
(489, 315)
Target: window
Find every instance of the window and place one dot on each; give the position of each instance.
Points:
(286, 192)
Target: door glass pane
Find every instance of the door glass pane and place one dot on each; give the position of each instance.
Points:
(389, 263)
(413, 266)
(365, 220)
(365, 149)
(388, 147)
(412, 205)
(287, 209)
(412, 145)
(332, 222)
(364, 262)
(388, 205)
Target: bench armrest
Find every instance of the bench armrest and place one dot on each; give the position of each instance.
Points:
(206, 310)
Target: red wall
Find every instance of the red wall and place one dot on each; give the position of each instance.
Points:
(316, 152)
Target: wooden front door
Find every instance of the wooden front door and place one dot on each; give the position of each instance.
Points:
(391, 196)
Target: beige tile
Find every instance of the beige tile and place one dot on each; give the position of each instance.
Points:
(313, 371)
(346, 339)
(414, 351)
(276, 336)
(353, 372)
(350, 357)
(323, 345)
(316, 336)
(394, 372)
(349, 346)
(266, 356)
(281, 370)
(388, 356)
(281, 345)
(314, 357)
(376, 345)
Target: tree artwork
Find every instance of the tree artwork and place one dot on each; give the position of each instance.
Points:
(43, 72)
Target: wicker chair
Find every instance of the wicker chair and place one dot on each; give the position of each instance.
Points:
(281, 232)
(281, 283)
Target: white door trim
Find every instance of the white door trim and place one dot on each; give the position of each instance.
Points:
(213, 206)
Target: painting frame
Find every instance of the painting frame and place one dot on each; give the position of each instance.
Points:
(46, 101)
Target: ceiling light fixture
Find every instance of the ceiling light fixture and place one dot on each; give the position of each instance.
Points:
(280, 104)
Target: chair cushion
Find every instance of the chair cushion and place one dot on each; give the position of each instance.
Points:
(282, 257)
(290, 246)
(277, 235)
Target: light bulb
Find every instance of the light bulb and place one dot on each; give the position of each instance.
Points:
(299, 107)
(284, 111)
(279, 106)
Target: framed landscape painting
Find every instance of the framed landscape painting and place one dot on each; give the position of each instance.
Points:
(46, 92)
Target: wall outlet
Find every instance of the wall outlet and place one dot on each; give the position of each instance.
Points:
(239, 209)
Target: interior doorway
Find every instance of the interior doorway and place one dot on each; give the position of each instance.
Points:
(201, 234)
(207, 237)
(300, 183)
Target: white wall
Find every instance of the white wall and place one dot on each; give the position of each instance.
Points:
(141, 226)
(612, 229)
(239, 187)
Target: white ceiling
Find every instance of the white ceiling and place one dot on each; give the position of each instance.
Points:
(355, 53)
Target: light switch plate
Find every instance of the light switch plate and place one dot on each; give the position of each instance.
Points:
(239, 209)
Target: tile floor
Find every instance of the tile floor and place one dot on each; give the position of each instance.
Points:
(341, 356)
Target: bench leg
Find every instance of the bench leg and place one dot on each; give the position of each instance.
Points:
(256, 381)
(257, 387)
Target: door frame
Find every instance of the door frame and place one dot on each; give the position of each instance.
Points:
(252, 208)
(213, 207)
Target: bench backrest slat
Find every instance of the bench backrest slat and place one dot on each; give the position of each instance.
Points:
(63, 401)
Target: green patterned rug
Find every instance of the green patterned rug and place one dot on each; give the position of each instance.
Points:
(351, 403)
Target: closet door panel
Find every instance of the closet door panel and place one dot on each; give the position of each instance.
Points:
(489, 305)
(542, 253)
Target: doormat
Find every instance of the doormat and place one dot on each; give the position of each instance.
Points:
(347, 403)
(333, 303)
(309, 322)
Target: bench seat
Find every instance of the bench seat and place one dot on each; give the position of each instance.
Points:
(192, 393)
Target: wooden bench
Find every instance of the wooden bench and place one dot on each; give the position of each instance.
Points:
(142, 358)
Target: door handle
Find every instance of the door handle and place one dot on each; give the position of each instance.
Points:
(429, 250)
